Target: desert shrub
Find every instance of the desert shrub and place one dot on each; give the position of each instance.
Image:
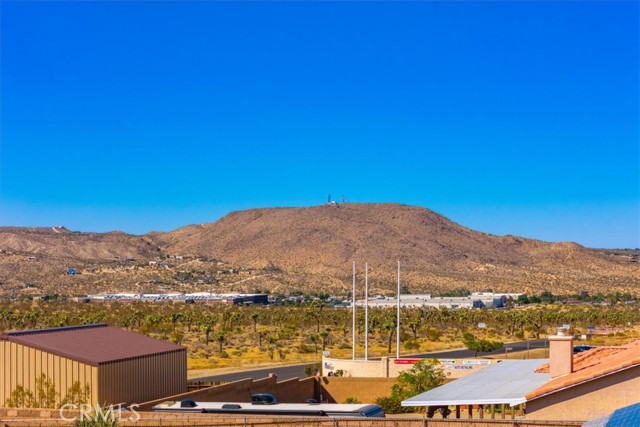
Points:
(434, 334)
(351, 400)
(310, 370)
(20, 397)
(223, 354)
(390, 405)
(411, 345)
(77, 394)
(421, 377)
(305, 349)
(100, 417)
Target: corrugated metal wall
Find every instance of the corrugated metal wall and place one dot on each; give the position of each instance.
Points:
(142, 379)
(128, 381)
(22, 365)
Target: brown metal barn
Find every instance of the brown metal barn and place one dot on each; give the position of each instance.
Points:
(118, 366)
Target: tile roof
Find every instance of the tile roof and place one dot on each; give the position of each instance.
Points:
(91, 344)
(590, 365)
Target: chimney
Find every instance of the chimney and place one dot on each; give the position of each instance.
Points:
(560, 354)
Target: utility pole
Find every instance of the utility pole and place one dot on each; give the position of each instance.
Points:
(366, 311)
(398, 317)
(353, 320)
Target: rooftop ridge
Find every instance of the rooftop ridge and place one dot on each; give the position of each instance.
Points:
(59, 329)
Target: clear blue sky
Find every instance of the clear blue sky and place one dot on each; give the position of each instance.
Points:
(516, 117)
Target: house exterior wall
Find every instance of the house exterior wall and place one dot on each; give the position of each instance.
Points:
(590, 400)
(22, 365)
(143, 378)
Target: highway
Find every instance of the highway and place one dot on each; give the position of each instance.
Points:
(285, 372)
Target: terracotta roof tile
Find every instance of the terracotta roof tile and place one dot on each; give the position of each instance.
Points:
(590, 365)
(92, 344)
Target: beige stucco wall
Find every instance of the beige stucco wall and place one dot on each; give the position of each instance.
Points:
(22, 365)
(388, 367)
(366, 390)
(590, 400)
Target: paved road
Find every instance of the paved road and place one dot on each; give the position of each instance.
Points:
(464, 353)
(286, 372)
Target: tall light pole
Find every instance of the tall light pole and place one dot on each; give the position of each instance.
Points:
(398, 317)
(366, 311)
(353, 320)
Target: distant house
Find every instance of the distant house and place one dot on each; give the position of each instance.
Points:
(118, 366)
(584, 386)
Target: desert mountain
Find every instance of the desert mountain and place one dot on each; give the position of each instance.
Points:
(287, 249)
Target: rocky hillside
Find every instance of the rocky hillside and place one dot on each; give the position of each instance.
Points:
(287, 249)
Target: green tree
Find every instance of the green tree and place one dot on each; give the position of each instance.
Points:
(390, 328)
(20, 397)
(314, 311)
(77, 395)
(221, 337)
(479, 345)
(45, 392)
(312, 370)
(314, 338)
(255, 317)
(421, 377)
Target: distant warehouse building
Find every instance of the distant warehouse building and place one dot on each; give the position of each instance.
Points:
(115, 365)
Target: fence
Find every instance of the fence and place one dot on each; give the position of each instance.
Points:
(210, 421)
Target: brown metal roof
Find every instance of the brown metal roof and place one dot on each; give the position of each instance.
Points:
(92, 344)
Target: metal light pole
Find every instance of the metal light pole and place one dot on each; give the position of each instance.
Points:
(366, 311)
(398, 317)
(353, 320)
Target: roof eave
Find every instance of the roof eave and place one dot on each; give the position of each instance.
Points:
(510, 402)
(636, 365)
